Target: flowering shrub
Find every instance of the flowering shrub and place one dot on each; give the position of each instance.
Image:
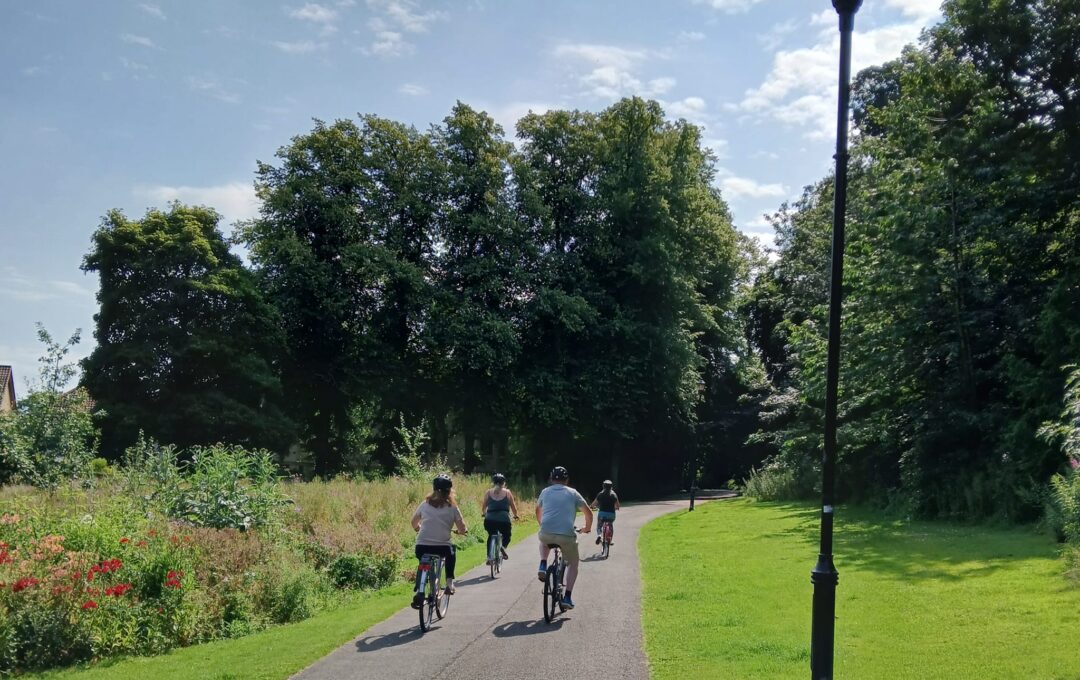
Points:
(91, 573)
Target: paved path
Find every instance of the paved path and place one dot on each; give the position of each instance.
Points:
(496, 629)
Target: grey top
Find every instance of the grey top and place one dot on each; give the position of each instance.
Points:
(559, 505)
(436, 523)
(498, 510)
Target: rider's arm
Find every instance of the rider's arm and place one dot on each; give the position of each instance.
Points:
(513, 503)
(539, 511)
(483, 506)
(617, 506)
(459, 521)
(596, 501)
(416, 520)
(588, 519)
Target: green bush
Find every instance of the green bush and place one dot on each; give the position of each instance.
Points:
(364, 570)
(776, 482)
(1063, 512)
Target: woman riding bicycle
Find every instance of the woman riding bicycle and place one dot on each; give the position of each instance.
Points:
(606, 503)
(433, 522)
(497, 506)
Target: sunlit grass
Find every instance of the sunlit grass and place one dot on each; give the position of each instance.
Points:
(727, 595)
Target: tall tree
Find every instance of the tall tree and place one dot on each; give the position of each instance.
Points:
(186, 346)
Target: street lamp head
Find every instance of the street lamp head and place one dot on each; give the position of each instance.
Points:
(846, 6)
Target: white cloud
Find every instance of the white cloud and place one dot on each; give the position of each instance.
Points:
(234, 200)
(31, 71)
(152, 10)
(322, 16)
(689, 36)
(392, 20)
(212, 87)
(300, 47)
(776, 35)
(920, 10)
(413, 90)
(729, 6)
(689, 108)
(800, 89)
(508, 115)
(138, 40)
(610, 72)
(735, 188)
(17, 286)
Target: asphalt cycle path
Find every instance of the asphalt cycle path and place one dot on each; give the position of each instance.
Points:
(496, 629)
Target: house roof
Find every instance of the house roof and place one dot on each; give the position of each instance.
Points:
(7, 383)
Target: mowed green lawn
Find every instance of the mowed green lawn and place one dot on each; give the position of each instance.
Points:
(727, 595)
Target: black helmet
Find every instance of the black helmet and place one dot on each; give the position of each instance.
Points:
(498, 478)
(442, 482)
(559, 474)
(607, 484)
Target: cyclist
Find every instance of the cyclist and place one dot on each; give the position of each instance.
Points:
(556, 510)
(433, 521)
(497, 506)
(605, 503)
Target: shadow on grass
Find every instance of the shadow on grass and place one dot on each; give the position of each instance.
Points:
(914, 550)
(519, 628)
(373, 643)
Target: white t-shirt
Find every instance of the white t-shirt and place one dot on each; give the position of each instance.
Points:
(436, 523)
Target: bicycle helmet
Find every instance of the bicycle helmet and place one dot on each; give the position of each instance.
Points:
(442, 482)
(559, 474)
(498, 478)
(608, 484)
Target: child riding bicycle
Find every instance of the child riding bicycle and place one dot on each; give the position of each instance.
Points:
(605, 503)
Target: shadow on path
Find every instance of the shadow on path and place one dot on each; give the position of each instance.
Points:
(486, 578)
(519, 628)
(402, 637)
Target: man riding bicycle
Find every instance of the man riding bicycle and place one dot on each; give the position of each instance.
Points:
(556, 510)
(605, 503)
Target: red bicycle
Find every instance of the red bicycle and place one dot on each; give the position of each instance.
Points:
(606, 530)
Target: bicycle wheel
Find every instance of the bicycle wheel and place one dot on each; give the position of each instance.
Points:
(559, 580)
(493, 554)
(442, 597)
(551, 595)
(427, 609)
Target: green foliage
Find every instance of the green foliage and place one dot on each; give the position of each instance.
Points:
(961, 279)
(186, 346)
(776, 482)
(51, 438)
(220, 486)
(364, 570)
(408, 453)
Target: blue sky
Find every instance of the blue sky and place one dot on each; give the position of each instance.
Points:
(128, 104)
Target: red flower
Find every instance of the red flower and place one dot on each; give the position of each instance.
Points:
(118, 590)
(173, 579)
(187, 539)
(140, 544)
(151, 533)
(76, 576)
(24, 583)
(89, 604)
(5, 556)
(175, 540)
(125, 540)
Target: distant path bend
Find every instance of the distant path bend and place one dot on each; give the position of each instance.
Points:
(496, 629)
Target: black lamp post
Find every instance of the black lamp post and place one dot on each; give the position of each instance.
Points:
(824, 575)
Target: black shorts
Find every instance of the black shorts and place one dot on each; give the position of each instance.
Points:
(502, 527)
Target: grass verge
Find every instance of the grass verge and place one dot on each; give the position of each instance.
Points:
(727, 595)
(278, 652)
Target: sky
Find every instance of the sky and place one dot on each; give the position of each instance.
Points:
(128, 104)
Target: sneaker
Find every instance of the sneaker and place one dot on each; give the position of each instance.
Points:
(504, 555)
(597, 540)
(417, 600)
(489, 562)
(541, 573)
(567, 603)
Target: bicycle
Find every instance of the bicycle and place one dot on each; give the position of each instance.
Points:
(495, 558)
(429, 581)
(606, 529)
(553, 583)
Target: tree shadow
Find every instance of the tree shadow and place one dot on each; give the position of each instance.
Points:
(914, 550)
(595, 557)
(519, 628)
(373, 643)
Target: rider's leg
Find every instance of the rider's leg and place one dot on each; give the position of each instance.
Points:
(541, 571)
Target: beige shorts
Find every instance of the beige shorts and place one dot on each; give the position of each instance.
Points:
(568, 545)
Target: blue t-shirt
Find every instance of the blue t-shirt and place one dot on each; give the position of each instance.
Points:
(559, 505)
